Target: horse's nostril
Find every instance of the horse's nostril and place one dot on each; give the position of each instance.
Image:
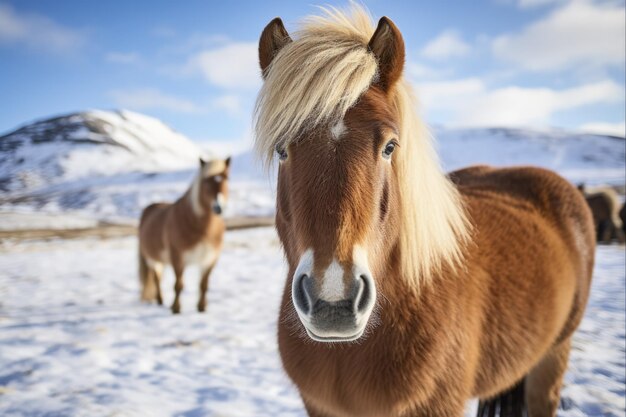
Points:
(364, 294)
(301, 296)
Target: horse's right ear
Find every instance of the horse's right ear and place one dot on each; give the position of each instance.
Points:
(273, 38)
(202, 162)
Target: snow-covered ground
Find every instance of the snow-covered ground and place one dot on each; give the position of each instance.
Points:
(75, 341)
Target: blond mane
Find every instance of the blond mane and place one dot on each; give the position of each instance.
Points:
(319, 76)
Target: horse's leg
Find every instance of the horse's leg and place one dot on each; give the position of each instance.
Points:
(204, 286)
(603, 228)
(147, 290)
(178, 285)
(157, 273)
(543, 383)
(604, 232)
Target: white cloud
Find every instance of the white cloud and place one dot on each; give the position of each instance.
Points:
(229, 103)
(528, 4)
(448, 44)
(231, 66)
(150, 99)
(37, 31)
(421, 71)
(473, 104)
(601, 128)
(123, 57)
(578, 34)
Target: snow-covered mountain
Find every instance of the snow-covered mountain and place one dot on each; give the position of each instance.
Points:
(110, 164)
(87, 145)
(578, 157)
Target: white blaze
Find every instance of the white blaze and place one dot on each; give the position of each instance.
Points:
(333, 288)
(338, 129)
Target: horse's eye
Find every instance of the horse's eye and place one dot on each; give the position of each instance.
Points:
(282, 153)
(389, 148)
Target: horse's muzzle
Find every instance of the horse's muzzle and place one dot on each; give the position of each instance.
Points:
(338, 320)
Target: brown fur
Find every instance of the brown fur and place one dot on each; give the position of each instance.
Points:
(605, 207)
(505, 314)
(169, 233)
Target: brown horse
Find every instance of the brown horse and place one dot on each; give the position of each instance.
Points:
(605, 207)
(189, 231)
(408, 292)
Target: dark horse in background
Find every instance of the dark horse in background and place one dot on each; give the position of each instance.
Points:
(608, 219)
(409, 291)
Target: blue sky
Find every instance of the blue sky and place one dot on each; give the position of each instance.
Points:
(193, 64)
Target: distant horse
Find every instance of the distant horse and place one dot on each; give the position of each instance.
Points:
(189, 231)
(622, 217)
(408, 293)
(605, 207)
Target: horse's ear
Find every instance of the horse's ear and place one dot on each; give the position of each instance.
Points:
(273, 38)
(202, 162)
(227, 164)
(388, 48)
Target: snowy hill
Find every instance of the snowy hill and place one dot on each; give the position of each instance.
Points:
(109, 165)
(89, 144)
(103, 164)
(576, 156)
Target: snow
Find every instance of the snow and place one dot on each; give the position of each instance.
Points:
(577, 157)
(75, 341)
(94, 143)
(28, 220)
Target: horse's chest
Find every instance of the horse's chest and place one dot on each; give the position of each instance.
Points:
(343, 386)
(203, 254)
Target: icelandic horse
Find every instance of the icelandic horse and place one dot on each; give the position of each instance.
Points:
(408, 291)
(187, 232)
(605, 209)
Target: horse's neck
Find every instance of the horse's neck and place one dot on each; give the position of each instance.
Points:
(189, 217)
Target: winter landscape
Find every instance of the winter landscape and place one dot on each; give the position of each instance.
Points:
(109, 106)
(76, 341)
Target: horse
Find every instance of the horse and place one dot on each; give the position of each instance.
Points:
(605, 207)
(189, 231)
(622, 216)
(408, 291)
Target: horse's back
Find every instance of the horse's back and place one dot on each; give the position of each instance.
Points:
(533, 192)
(534, 247)
(531, 198)
(151, 226)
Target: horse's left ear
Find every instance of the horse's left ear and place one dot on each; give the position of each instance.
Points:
(388, 47)
(227, 164)
(202, 162)
(273, 38)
